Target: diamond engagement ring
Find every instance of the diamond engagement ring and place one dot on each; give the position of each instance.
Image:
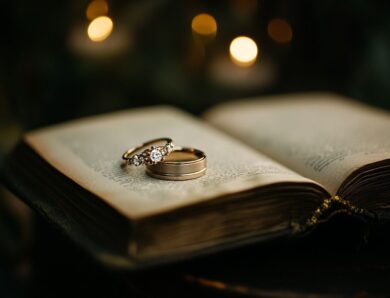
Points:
(149, 153)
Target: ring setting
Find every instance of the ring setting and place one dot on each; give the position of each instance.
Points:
(149, 156)
(165, 161)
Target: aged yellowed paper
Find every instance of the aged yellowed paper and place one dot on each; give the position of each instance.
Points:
(89, 152)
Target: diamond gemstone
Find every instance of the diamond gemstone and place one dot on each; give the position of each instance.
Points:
(156, 155)
(136, 161)
(169, 147)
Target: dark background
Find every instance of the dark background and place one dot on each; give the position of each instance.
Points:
(51, 72)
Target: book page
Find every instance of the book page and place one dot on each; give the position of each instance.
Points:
(89, 151)
(321, 136)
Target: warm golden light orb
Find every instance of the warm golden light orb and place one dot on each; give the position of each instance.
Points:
(204, 24)
(100, 28)
(243, 51)
(96, 9)
(280, 31)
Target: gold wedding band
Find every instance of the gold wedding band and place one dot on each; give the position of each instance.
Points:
(150, 152)
(182, 164)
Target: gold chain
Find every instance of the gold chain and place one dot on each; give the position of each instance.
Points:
(325, 206)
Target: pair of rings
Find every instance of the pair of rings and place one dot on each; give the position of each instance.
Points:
(165, 161)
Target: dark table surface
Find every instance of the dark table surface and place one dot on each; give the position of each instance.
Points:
(342, 258)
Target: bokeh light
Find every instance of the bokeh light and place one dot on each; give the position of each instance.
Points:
(97, 8)
(100, 28)
(243, 51)
(280, 31)
(204, 24)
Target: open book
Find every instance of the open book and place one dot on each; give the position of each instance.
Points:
(276, 167)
